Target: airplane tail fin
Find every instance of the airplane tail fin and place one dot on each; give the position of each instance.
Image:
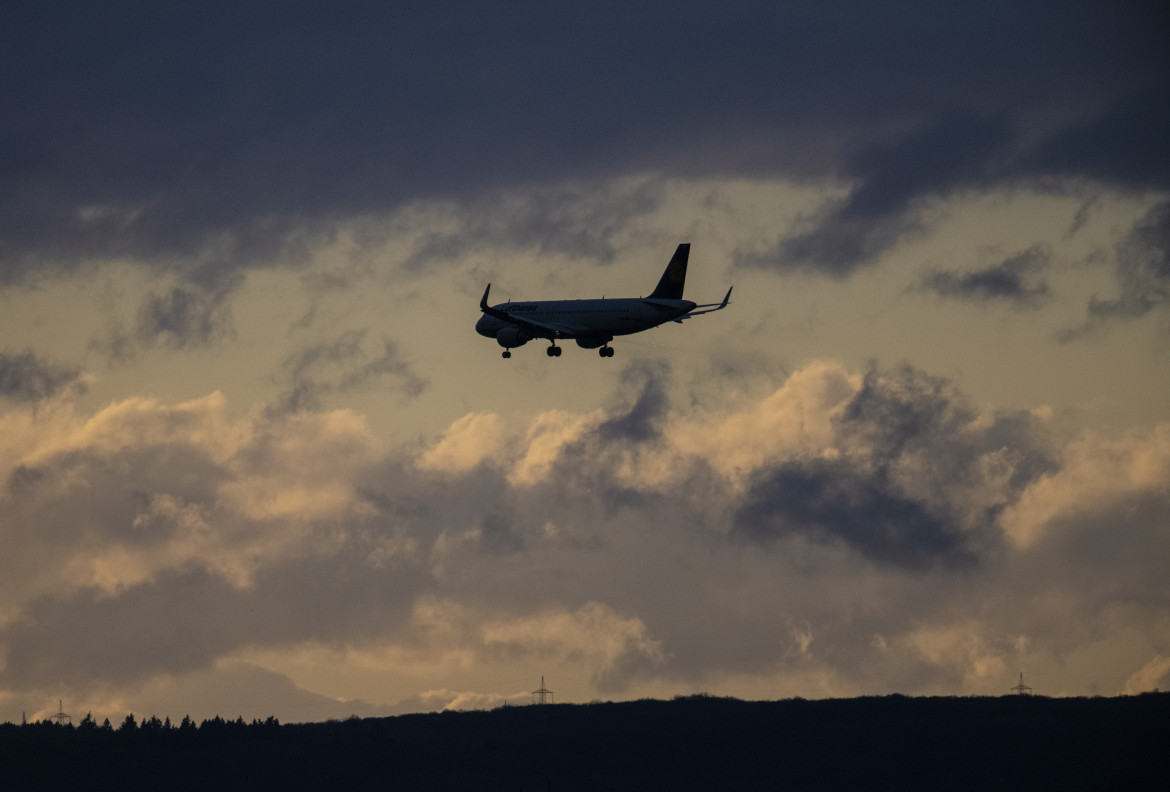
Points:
(670, 286)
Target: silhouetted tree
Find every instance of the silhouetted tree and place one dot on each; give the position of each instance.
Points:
(216, 724)
(129, 724)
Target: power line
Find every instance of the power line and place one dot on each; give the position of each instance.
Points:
(542, 696)
(61, 715)
(1021, 688)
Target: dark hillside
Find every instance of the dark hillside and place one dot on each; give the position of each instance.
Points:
(1027, 742)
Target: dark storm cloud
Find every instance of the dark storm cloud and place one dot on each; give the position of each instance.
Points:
(340, 365)
(1008, 281)
(574, 221)
(1124, 145)
(907, 412)
(893, 498)
(189, 315)
(646, 388)
(834, 501)
(27, 377)
(1143, 268)
(182, 317)
(1143, 274)
(145, 131)
(890, 177)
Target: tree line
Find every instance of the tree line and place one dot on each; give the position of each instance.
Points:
(696, 742)
(153, 724)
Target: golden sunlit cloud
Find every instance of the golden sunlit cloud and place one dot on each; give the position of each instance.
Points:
(1154, 675)
(466, 443)
(546, 438)
(1096, 472)
(796, 420)
(962, 649)
(593, 635)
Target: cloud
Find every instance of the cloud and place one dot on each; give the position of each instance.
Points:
(844, 533)
(1154, 675)
(545, 441)
(1006, 281)
(579, 220)
(467, 442)
(342, 365)
(896, 465)
(182, 141)
(1096, 475)
(141, 490)
(593, 633)
(793, 422)
(963, 649)
(188, 315)
(890, 183)
(840, 531)
(914, 477)
(25, 377)
(1123, 144)
(830, 500)
(182, 317)
(639, 422)
(1142, 273)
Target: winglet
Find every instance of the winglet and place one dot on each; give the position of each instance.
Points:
(723, 304)
(496, 312)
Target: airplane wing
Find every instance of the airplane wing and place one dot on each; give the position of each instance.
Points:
(557, 330)
(710, 307)
(544, 329)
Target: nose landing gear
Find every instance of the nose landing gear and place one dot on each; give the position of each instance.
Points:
(553, 351)
(606, 351)
(507, 354)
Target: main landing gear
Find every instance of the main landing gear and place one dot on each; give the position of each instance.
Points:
(555, 351)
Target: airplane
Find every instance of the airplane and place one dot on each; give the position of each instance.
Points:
(592, 323)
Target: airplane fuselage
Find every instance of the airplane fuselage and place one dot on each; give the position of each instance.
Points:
(586, 320)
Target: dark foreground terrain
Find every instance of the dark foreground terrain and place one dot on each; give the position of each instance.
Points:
(696, 743)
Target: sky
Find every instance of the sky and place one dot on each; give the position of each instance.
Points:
(254, 459)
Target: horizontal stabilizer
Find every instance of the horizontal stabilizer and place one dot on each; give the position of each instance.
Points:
(709, 307)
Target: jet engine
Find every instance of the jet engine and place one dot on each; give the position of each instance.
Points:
(509, 337)
(593, 342)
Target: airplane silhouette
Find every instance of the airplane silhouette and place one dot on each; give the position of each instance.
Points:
(592, 323)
